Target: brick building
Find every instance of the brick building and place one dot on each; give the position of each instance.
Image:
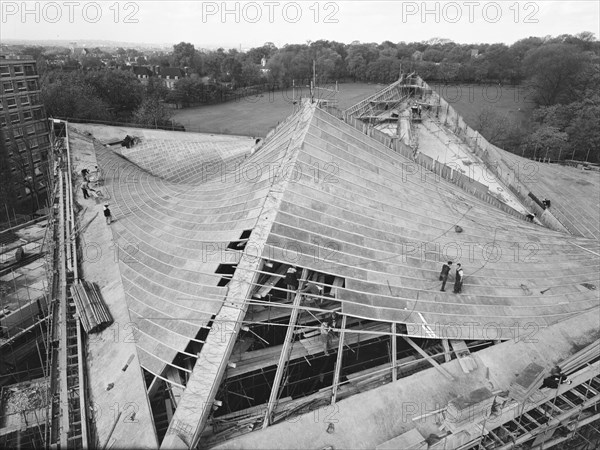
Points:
(24, 127)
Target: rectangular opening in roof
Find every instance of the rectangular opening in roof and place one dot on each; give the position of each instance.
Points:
(240, 244)
(227, 270)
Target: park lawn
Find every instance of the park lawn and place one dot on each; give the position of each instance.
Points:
(256, 115)
(469, 99)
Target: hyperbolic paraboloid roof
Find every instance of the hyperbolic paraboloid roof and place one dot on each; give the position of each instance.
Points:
(352, 208)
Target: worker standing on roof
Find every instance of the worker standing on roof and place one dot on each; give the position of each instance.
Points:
(291, 280)
(84, 188)
(444, 275)
(98, 174)
(458, 281)
(107, 214)
(312, 291)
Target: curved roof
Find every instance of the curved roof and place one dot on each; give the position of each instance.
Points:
(173, 236)
(387, 228)
(350, 207)
(353, 208)
(574, 193)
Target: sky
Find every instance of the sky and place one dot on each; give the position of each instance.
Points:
(211, 24)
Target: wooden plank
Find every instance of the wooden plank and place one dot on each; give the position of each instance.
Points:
(429, 358)
(411, 440)
(267, 359)
(463, 354)
(338, 362)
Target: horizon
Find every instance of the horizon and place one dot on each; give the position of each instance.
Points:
(251, 24)
(84, 43)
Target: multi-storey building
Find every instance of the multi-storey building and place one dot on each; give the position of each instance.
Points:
(24, 128)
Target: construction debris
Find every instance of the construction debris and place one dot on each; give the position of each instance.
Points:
(24, 397)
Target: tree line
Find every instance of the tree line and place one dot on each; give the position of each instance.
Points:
(436, 60)
(561, 72)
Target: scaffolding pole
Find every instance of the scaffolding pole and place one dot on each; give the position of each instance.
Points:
(284, 356)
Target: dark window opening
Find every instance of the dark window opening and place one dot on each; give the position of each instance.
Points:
(241, 243)
(227, 270)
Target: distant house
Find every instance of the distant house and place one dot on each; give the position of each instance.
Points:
(142, 73)
(474, 53)
(170, 75)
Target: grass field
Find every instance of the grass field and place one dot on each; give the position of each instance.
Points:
(469, 99)
(255, 116)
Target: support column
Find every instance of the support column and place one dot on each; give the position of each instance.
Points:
(394, 353)
(447, 354)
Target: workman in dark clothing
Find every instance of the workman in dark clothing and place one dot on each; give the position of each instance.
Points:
(555, 379)
(444, 274)
(458, 280)
(291, 280)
